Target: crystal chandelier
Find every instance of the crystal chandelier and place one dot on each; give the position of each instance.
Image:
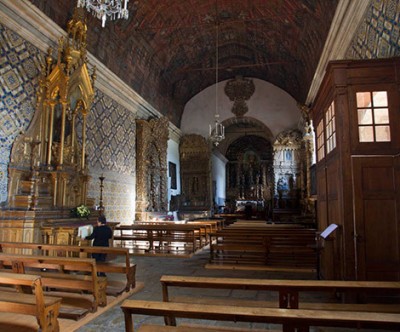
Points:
(218, 133)
(103, 8)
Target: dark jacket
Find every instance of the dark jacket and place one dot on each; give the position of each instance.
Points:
(101, 235)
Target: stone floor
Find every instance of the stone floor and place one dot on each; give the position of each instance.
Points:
(149, 271)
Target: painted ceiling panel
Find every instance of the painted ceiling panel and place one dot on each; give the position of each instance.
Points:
(166, 50)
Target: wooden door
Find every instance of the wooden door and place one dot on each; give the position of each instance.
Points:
(376, 182)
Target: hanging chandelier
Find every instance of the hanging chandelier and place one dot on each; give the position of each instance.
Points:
(217, 133)
(103, 8)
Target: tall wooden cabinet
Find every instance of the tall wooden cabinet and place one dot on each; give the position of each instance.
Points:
(357, 119)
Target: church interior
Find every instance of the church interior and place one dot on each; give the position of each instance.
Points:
(238, 145)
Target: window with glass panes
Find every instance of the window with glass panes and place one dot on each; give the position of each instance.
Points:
(330, 128)
(373, 116)
(320, 141)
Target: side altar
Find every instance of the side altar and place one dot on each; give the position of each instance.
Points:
(47, 172)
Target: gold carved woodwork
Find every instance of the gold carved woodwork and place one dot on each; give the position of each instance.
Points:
(151, 166)
(60, 235)
(19, 226)
(288, 160)
(48, 162)
(195, 160)
(249, 177)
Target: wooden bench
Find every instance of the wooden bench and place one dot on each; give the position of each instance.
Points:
(54, 274)
(291, 320)
(286, 247)
(229, 218)
(201, 232)
(216, 224)
(168, 237)
(288, 290)
(196, 328)
(44, 308)
(126, 267)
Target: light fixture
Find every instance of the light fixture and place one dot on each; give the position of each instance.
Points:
(218, 133)
(103, 8)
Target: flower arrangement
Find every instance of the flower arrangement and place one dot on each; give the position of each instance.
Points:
(81, 211)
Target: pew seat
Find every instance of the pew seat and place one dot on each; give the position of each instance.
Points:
(291, 320)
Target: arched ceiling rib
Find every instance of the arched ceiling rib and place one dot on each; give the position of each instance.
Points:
(166, 50)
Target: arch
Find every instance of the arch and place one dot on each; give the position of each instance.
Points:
(238, 127)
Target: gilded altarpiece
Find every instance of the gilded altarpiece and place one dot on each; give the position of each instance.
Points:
(47, 170)
(195, 159)
(288, 154)
(249, 173)
(151, 166)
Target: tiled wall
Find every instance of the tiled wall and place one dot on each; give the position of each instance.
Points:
(111, 128)
(111, 152)
(379, 35)
(19, 70)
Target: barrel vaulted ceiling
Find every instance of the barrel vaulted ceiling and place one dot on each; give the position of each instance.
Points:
(166, 50)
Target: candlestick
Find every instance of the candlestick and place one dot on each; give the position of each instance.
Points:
(101, 207)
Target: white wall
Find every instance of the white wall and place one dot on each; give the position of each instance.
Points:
(218, 173)
(173, 156)
(269, 104)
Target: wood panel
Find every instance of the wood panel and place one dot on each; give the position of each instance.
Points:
(377, 218)
(322, 197)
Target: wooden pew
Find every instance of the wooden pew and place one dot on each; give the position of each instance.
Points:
(216, 224)
(201, 233)
(286, 247)
(291, 320)
(229, 217)
(191, 236)
(53, 272)
(207, 228)
(126, 267)
(289, 292)
(44, 308)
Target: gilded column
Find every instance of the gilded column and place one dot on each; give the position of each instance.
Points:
(55, 187)
(64, 178)
(62, 138)
(83, 157)
(73, 134)
(50, 133)
(44, 133)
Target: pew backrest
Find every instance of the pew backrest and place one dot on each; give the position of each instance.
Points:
(127, 267)
(51, 269)
(288, 289)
